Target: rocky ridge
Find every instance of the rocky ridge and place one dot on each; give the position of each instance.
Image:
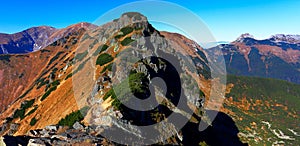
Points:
(53, 90)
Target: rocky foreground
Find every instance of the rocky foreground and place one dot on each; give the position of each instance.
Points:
(57, 135)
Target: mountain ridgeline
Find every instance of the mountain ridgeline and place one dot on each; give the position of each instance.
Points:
(35, 38)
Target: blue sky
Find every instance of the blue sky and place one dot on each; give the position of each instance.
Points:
(226, 19)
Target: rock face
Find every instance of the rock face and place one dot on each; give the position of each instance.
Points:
(277, 57)
(78, 126)
(148, 55)
(48, 136)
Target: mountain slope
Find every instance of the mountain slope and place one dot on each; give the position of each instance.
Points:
(265, 110)
(26, 76)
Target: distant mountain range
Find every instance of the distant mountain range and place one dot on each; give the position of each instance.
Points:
(35, 38)
(277, 57)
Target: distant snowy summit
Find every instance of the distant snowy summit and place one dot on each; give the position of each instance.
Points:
(291, 39)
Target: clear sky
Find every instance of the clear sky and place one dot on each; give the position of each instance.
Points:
(227, 19)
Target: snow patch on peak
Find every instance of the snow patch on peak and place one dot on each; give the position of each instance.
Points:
(286, 38)
(4, 51)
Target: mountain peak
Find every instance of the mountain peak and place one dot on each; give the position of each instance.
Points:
(134, 19)
(84, 25)
(243, 36)
(39, 28)
(131, 18)
(286, 38)
(134, 16)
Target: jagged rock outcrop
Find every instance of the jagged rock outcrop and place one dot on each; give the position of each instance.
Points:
(148, 54)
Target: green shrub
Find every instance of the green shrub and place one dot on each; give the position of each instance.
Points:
(126, 30)
(27, 104)
(110, 93)
(55, 83)
(126, 41)
(33, 121)
(53, 86)
(103, 59)
(32, 111)
(119, 36)
(107, 67)
(84, 110)
(201, 93)
(104, 48)
(70, 119)
(48, 92)
(69, 76)
(116, 103)
(20, 113)
(123, 92)
(135, 81)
